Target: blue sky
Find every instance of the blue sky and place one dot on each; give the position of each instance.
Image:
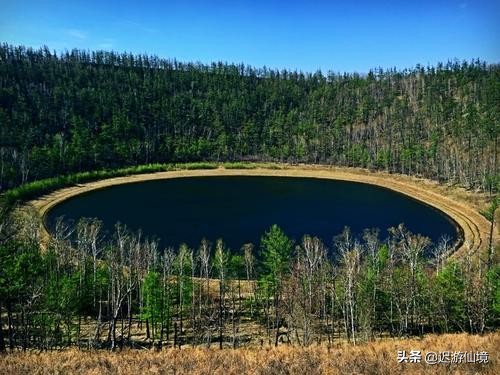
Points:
(334, 36)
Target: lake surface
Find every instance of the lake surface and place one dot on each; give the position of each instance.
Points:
(240, 208)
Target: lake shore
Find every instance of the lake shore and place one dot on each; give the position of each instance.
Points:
(461, 206)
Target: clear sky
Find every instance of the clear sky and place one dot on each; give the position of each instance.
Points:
(341, 36)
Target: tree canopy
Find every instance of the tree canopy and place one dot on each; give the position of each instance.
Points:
(82, 111)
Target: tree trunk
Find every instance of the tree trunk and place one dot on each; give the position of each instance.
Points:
(113, 334)
(2, 341)
(220, 315)
(10, 326)
(276, 318)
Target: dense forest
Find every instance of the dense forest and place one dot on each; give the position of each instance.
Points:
(104, 113)
(123, 292)
(83, 111)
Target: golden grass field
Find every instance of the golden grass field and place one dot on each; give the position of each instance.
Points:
(378, 357)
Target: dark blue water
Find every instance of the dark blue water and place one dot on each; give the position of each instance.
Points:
(239, 209)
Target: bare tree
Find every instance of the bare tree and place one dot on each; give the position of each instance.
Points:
(350, 259)
(29, 226)
(221, 262)
(88, 240)
(60, 241)
(121, 281)
(182, 269)
(192, 266)
(372, 242)
(167, 259)
(249, 269)
(411, 247)
(205, 269)
(311, 256)
(440, 252)
(372, 246)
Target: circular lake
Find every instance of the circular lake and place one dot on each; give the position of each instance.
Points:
(239, 209)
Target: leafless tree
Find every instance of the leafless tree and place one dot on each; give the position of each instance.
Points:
(372, 246)
(311, 256)
(249, 269)
(167, 262)
(411, 248)
(29, 223)
(60, 242)
(121, 280)
(182, 265)
(88, 239)
(221, 263)
(350, 253)
(372, 242)
(204, 257)
(350, 260)
(440, 251)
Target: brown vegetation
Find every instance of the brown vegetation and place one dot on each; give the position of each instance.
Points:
(370, 358)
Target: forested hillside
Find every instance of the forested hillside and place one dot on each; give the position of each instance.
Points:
(85, 110)
(125, 293)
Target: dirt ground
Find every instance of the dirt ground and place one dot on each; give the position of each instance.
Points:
(461, 205)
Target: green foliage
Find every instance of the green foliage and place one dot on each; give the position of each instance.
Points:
(236, 266)
(494, 280)
(153, 295)
(81, 111)
(24, 269)
(276, 250)
(383, 256)
(183, 267)
(449, 292)
(240, 166)
(190, 166)
(489, 213)
(50, 299)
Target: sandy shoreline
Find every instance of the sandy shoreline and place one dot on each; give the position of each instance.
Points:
(474, 226)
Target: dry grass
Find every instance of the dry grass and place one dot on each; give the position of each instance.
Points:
(370, 358)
